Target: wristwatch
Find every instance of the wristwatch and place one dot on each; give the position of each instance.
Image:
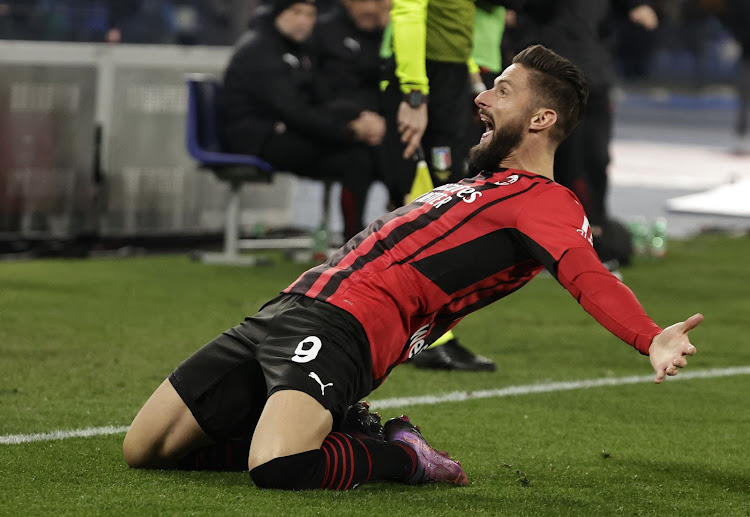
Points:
(416, 98)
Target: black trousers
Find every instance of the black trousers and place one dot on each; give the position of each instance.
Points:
(582, 159)
(354, 165)
(444, 140)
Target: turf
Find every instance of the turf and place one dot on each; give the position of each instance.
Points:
(83, 344)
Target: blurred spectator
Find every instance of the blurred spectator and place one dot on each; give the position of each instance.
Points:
(270, 107)
(431, 44)
(347, 49)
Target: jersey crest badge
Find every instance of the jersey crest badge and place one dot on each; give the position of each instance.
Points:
(510, 180)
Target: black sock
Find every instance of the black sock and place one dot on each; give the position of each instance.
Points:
(342, 462)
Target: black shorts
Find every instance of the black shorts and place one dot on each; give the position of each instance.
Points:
(294, 342)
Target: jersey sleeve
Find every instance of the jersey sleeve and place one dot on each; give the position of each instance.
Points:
(553, 222)
(409, 25)
(557, 233)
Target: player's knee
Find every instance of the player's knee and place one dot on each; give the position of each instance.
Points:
(140, 453)
(133, 452)
(256, 458)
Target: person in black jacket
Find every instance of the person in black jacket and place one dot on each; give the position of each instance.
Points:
(347, 49)
(270, 107)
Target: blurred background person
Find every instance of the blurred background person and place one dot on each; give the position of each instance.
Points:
(270, 107)
(428, 48)
(347, 48)
(347, 44)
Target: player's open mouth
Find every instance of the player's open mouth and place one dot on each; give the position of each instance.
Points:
(489, 127)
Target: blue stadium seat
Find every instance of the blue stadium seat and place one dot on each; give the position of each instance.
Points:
(203, 138)
(205, 146)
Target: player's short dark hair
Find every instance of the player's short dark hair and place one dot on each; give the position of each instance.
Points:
(558, 84)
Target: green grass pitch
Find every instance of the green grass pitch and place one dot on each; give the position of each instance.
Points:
(84, 343)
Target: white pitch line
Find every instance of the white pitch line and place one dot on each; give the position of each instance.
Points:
(454, 396)
(458, 396)
(13, 439)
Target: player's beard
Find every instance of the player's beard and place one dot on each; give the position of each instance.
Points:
(505, 139)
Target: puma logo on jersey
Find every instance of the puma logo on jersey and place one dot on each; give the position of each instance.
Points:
(323, 387)
(417, 342)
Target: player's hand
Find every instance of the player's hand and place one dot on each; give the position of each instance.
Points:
(412, 123)
(669, 349)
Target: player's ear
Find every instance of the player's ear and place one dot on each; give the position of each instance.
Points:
(543, 118)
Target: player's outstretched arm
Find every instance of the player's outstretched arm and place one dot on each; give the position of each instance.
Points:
(669, 349)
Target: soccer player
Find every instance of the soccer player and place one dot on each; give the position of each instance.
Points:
(280, 383)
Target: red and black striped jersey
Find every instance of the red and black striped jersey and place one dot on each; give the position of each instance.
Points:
(414, 273)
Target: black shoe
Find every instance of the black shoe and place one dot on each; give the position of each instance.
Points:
(360, 422)
(452, 356)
